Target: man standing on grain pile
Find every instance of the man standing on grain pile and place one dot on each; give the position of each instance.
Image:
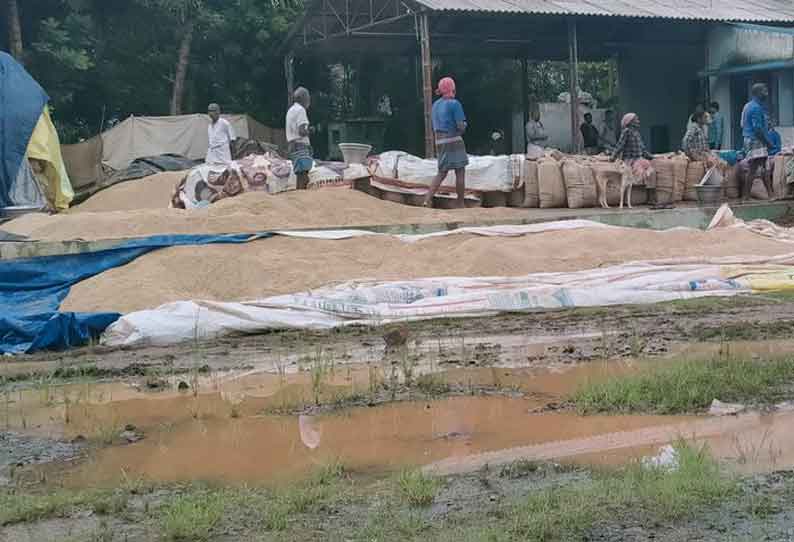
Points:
(221, 135)
(298, 144)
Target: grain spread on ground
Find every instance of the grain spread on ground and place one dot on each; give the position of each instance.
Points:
(284, 265)
(250, 212)
(152, 192)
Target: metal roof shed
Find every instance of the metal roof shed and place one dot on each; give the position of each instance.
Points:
(540, 29)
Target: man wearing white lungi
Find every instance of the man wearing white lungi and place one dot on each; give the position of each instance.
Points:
(221, 135)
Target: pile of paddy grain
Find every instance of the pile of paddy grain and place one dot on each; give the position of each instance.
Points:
(285, 265)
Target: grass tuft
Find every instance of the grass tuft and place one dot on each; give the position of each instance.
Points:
(23, 508)
(417, 488)
(571, 512)
(687, 386)
(191, 516)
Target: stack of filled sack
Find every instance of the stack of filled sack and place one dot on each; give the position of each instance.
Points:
(557, 180)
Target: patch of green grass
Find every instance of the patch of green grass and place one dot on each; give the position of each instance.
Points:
(570, 512)
(191, 516)
(23, 508)
(417, 488)
(328, 473)
(110, 504)
(688, 386)
(273, 510)
(389, 525)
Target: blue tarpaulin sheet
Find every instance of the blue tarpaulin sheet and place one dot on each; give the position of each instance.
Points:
(21, 102)
(32, 289)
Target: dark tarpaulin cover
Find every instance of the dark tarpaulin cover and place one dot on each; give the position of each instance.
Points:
(32, 289)
(21, 102)
(151, 165)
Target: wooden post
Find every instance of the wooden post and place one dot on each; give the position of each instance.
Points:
(525, 98)
(427, 83)
(289, 75)
(573, 62)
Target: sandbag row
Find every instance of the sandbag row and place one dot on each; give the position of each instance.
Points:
(558, 181)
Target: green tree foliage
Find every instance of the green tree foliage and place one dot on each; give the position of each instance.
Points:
(103, 60)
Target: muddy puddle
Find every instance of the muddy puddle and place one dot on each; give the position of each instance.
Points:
(239, 426)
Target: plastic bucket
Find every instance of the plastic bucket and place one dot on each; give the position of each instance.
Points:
(354, 153)
(709, 195)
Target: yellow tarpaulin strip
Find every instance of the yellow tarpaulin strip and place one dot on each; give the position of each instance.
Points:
(45, 146)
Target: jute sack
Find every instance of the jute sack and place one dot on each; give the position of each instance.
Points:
(529, 172)
(731, 183)
(680, 163)
(580, 186)
(758, 190)
(665, 179)
(779, 186)
(694, 174)
(551, 186)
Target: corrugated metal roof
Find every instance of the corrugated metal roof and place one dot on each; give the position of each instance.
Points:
(768, 11)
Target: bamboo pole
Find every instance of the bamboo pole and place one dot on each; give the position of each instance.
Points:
(573, 62)
(427, 83)
(289, 74)
(525, 98)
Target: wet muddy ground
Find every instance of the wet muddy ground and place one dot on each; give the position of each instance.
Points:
(466, 400)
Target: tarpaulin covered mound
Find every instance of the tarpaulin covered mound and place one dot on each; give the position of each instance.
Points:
(283, 265)
(32, 172)
(249, 212)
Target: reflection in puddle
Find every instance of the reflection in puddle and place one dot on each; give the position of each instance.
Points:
(222, 427)
(387, 437)
(750, 442)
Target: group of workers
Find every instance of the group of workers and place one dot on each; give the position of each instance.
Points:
(704, 135)
(706, 129)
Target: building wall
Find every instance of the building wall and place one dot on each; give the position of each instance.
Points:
(721, 93)
(656, 82)
(729, 46)
(733, 46)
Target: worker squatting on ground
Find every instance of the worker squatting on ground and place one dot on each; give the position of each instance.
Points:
(298, 142)
(221, 135)
(631, 149)
(449, 124)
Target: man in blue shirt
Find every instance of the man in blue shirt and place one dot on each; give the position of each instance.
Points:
(449, 124)
(755, 131)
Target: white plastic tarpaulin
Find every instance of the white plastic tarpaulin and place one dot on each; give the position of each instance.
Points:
(483, 174)
(366, 302)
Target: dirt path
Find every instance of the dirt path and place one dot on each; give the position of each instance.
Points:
(510, 340)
